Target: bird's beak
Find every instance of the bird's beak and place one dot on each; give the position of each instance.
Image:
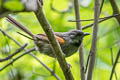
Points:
(85, 34)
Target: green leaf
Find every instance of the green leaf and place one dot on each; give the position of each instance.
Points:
(13, 5)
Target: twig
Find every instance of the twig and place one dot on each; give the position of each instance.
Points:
(54, 43)
(63, 11)
(88, 58)
(44, 75)
(94, 41)
(6, 41)
(10, 56)
(114, 65)
(113, 62)
(109, 17)
(81, 52)
(101, 6)
(51, 71)
(115, 9)
(20, 26)
(13, 60)
(10, 37)
(104, 18)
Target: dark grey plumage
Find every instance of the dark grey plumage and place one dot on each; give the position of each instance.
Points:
(72, 39)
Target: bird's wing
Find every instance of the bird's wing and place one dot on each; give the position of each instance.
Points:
(42, 37)
(58, 35)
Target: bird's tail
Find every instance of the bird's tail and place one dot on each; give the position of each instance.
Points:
(20, 26)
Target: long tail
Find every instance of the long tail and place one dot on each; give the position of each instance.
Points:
(20, 26)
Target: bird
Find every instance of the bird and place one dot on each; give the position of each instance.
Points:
(69, 41)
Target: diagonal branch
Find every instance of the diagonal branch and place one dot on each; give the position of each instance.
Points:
(115, 9)
(55, 45)
(10, 56)
(113, 62)
(114, 65)
(13, 60)
(106, 18)
(103, 18)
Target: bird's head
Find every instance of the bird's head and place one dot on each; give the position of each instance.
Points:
(77, 35)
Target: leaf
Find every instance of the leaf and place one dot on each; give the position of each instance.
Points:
(13, 5)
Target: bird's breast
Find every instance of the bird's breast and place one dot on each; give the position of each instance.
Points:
(70, 49)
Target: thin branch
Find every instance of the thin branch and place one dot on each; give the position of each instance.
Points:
(31, 54)
(81, 52)
(88, 58)
(20, 26)
(54, 43)
(13, 60)
(51, 71)
(6, 41)
(104, 18)
(115, 9)
(17, 51)
(115, 63)
(109, 17)
(9, 36)
(77, 14)
(45, 75)
(101, 6)
(94, 41)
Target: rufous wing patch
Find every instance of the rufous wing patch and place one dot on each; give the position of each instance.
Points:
(60, 40)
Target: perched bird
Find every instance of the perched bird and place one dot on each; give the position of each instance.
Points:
(69, 41)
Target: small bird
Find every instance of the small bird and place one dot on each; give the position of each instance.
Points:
(69, 41)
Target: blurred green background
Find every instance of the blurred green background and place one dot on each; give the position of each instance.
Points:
(23, 68)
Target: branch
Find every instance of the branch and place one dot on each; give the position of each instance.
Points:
(49, 69)
(101, 6)
(55, 45)
(81, 53)
(10, 56)
(115, 9)
(94, 41)
(115, 63)
(13, 60)
(105, 18)
(45, 75)
(20, 26)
